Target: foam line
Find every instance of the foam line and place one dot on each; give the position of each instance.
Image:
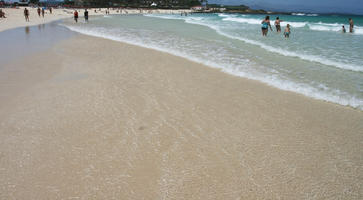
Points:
(307, 90)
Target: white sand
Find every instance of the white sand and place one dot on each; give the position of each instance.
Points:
(106, 120)
(15, 16)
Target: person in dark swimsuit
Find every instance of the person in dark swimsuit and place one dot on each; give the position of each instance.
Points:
(2, 14)
(26, 14)
(86, 15)
(265, 24)
(277, 24)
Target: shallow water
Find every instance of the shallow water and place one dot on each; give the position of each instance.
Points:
(317, 61)
(19, 42)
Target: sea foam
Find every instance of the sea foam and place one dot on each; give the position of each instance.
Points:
(312, 58)
(319, 26)
(258, 21)
(337, 96)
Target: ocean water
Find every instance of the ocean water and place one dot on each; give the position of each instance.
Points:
(318, 60)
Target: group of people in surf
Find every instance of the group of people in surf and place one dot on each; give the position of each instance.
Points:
(266, 24)
(351, 26)
(85, 14)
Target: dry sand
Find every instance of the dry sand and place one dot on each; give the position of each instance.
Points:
(15, 16)
(107, 120)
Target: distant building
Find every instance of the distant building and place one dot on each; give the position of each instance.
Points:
(197, 8)
(21, 2)
(217, 9)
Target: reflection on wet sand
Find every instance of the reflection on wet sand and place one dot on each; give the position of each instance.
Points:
(41, 26)
(27, 31)
(32, 38)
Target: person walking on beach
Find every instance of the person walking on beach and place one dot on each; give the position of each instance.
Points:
(2, 14)
(351, 25)
(26, 14)
(287, 31)
(43, 10)
(86, 15)
(38, 10)
(75, 14)
(265, 24)
(343, 29)
(277, 24)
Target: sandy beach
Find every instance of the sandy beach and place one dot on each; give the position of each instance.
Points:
(107, 120)
(15, 16)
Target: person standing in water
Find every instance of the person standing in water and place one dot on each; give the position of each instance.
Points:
(38, 10)
(277, 24)
(86, 15)
(265, 24)
(2, 14)
(26, 14)
(75, 14)
(343, 29)
(351, 25)
(43, 10)
(287, 31)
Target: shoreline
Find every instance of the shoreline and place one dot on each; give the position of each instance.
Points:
(199, 63)
(115, 125)
(309, 94)
(230, 74)
(209, 66)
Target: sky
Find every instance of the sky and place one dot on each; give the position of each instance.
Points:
(319, 6)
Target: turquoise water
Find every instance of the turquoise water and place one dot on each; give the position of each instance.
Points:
(318, 60)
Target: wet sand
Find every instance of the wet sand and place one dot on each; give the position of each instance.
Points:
(107, 120)
(25, 41)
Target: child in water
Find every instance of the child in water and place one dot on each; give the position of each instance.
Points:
(287, 31)
(343, 29)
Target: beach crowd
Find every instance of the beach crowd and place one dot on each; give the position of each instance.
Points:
(41, 12)
(267, 24)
